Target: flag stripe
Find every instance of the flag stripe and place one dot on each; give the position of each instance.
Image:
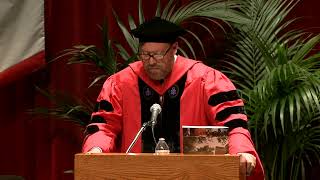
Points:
(22, 69)
(21, 35)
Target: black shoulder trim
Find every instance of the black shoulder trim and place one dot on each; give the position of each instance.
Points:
(223, 97)
(222, 115)
(91, 129)
(97, 119)
(104, 105)
(237, 123)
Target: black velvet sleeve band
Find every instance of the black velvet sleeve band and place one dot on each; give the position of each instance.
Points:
(222, 115)
(103, 105)
(237, 123)
(97, 119)
(91, 129)
(223, 97)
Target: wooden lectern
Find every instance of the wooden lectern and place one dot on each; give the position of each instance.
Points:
(149, 166)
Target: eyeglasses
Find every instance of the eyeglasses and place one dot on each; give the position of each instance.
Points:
(158, 56)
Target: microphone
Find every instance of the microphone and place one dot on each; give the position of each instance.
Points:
(155, 110)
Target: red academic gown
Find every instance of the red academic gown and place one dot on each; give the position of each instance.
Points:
(206, 93)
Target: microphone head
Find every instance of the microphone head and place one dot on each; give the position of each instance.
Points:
(156, 107)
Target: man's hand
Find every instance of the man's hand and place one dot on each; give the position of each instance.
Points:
(95, 150)
(249, 161)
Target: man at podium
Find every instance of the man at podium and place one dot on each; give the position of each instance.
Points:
(189, 93)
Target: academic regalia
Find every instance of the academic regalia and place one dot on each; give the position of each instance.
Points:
(204, 96)
(192, 94)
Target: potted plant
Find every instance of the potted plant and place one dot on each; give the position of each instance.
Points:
(279, 78)
(108, 61)
(274, 68)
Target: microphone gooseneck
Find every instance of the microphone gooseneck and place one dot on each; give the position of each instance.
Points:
(155, 111)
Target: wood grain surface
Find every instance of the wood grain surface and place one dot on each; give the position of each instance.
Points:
(149, 166)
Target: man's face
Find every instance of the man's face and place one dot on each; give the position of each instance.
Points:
(157, 58)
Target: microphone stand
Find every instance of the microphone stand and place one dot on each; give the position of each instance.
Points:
(143, 127)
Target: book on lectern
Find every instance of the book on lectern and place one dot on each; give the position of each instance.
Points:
(205, 139)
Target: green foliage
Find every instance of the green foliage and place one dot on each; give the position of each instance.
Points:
(106, 58)
(279, 80)
(274, 67)
(65, 108)
(207, 9)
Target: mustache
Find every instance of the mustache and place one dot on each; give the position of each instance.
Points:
(153, 66)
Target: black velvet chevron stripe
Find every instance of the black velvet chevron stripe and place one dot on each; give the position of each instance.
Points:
(97, 119)
(223, 97)
(222, 115)
(104, 105)
(92, 129)
(236, 123)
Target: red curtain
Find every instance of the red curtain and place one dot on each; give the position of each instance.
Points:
(43, 148)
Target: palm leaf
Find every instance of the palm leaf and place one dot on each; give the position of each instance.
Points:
(65, 107)
(131, 22)
(158, 9)
(133, 43)
(167, 8)
(122, 51)
(140, 11)
(305, 49)
(101, 77)
(204, 27)
(189, 45)
(281, 83)
(198, 40)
